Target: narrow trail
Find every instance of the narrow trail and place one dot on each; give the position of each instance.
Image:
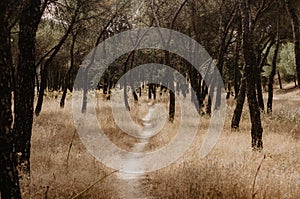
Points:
(135, 185)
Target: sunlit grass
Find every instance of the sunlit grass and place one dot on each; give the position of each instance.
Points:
(227, 172)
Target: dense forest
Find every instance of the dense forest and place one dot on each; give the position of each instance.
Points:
(43, 44)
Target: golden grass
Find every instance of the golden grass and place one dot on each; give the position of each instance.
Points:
(227, 172)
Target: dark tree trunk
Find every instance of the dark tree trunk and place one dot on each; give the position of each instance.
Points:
(149, 91)
(235, 122)
(229, 90)
(279, 79)
(296, 32)
(273, 72)
(197, 100)
(171, 88)
(68, 75)
(140, 91)
(154, 91)
(9, 180)
(135, 96)
(250, 73)
(237, 74)
(208, 106)
(37, 83)
(262, 62)
(172, 103)
(260, 97)
(24, 93)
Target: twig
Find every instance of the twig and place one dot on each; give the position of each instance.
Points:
(89, 187)
(70, 146)
(256, 174)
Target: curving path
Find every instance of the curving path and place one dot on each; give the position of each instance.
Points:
(134, 185)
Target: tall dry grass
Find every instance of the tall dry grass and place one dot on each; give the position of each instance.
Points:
(227, 172)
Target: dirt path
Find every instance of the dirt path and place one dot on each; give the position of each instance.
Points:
(135, 185)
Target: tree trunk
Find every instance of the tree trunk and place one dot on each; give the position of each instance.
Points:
(273, 72)
(260, 97)
(235, 122)
(149, 91)
(296, 32)
(279, 79)
(197, 100)
(250, 73)
(171, 88)
(125, 95)
(154, 91)
(228, 90)
(68, 75)
(9, 180)
(24, 93)
(237, 75)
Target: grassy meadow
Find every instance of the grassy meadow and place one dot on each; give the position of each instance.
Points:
(61, 166)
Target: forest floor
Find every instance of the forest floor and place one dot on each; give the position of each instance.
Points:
(228, 171)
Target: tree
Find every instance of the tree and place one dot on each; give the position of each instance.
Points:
(240, 99)
(273, 71)
(25, 81)
(250, 72)
(56, 49)
(167, 60)
(9, 182)
(296, 33)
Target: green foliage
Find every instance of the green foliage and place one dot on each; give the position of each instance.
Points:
(285, 62)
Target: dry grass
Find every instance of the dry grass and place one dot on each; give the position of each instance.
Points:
(227, 172)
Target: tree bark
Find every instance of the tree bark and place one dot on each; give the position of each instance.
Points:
(24, 93)
(296, 33)
(197, 100)
(170, 79)
(237, 75)
(250, 73)
(235, 122)
(273, 72)
(68, 75)
(9, 180)
(260, 98)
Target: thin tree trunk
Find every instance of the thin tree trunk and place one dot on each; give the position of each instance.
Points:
(9, 180)
(149, 91)
(273, 72)
(237, 78)
(250, 72)
(68, 75)
(135, 96)
(197, 100)
(235, 122)
(229, 90)
(37, 83)
(125, 95)
(258, 76)
(171, 88)
(260, 97)
(296, 32)
(279, 79)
